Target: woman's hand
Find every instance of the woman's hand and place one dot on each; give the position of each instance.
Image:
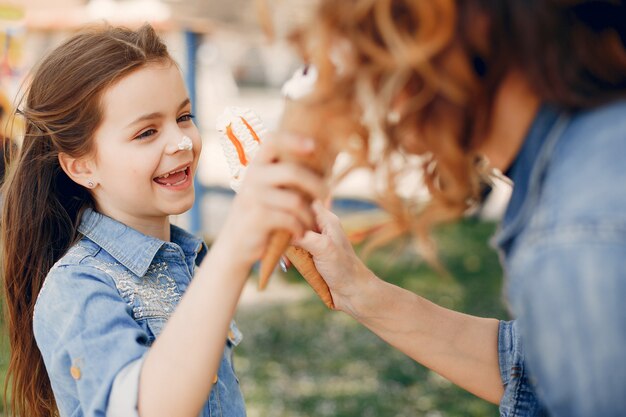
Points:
(335, 259)
(274, 195)
(459, 347)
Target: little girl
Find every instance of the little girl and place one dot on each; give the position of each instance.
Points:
(112, 311)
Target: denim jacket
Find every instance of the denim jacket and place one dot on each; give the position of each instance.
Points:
(102, 306)
(563, 244)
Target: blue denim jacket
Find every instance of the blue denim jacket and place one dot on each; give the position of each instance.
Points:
(102, 306)
(563, 243)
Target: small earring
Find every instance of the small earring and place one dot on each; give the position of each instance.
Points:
(185, 144)
(90, 184)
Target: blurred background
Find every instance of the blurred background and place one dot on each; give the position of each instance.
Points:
(297, 358)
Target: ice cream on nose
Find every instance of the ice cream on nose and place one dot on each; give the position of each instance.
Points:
(185, 144)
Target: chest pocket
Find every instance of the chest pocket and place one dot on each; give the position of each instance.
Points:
(152, 298)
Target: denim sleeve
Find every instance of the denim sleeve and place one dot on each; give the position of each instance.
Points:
(568, 292)
(87, 335)
(519, 398)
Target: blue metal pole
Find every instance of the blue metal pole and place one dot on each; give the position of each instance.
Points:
(191, 41)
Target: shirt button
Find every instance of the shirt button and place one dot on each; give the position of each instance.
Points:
(215, 378)
(75, 372)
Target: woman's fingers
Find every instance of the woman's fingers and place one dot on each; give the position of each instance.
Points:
(326, 220)
(331, 240)
(312, 242)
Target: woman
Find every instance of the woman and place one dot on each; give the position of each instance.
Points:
(532, 88)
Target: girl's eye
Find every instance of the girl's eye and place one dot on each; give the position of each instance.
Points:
(185, 118)
(145, 134)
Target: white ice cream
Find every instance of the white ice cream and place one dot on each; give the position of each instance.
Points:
(301, 83)
(234, 118)
(185, 144)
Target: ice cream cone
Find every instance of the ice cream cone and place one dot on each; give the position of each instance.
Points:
(303, 261)
(242, 131)
(241, 135)
(309, 120)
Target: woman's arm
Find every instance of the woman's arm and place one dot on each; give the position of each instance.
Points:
(462, 348)
(178, 371)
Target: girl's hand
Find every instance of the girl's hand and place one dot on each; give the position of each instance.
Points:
(335, 258)
(274, 195)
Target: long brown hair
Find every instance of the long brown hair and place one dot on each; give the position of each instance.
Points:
(425, 74)
(42, 205)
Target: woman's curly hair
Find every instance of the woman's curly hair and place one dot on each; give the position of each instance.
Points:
(423, 75)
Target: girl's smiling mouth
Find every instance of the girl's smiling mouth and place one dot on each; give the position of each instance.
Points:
(177, 179)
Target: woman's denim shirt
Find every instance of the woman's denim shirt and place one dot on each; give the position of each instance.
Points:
(102, 306)
(563, 242)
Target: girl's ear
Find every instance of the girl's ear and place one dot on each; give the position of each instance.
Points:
(80, 170)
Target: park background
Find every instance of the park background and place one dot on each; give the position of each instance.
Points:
(297, 357)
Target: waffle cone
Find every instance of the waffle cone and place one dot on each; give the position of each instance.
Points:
(330, 122)
(279, 240)
(303, 262)
(246, 130)
(298, 118)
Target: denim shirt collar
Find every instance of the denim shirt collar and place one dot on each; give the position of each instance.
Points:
(132, 248)
(528, 169)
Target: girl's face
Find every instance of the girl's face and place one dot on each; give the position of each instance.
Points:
(145, 116)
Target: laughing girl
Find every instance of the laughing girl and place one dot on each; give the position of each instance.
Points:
(113, 311)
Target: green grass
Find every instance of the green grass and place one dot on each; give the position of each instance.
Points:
(300, 359)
